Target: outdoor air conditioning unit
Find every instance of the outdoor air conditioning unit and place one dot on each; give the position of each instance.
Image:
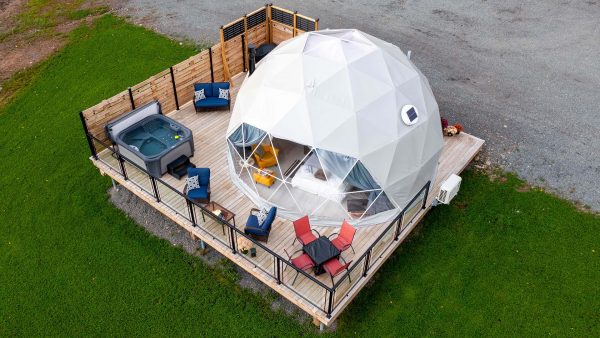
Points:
(449, 189)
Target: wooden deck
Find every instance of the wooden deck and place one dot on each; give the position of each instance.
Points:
(211, 151)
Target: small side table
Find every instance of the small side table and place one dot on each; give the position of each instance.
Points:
(226, 214)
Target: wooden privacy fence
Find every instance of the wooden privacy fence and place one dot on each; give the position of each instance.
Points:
(173, 87)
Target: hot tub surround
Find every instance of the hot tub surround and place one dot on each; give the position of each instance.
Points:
(150, 139)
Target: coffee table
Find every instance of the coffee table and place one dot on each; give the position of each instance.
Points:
(226, 214)
(320, 251)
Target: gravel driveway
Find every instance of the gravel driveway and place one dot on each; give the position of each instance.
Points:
(525, 76)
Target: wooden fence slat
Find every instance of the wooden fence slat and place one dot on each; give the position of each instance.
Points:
(227, 59)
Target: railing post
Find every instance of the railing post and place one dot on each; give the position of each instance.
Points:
(87, 136)
(131, 98)
(330, 306)
(232, 232)
(426, 194)
(154, 187)
(174, 88)
(277, 261)
(191, 210)
(367, 262)
(399, 226)
(212, 73)
(122, 165)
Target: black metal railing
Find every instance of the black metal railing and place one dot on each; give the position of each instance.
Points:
(158, 189)
(394, 229)
(188, 209)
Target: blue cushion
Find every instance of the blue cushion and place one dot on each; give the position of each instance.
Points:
(211, 102)
(217, 85)
(270, 218)
(202, 173)
(201, 192)
(252, 221)
(208, 92)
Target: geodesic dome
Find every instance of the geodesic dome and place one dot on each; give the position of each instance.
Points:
(350, 126)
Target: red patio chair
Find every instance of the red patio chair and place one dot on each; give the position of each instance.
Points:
(303, 231)
(344, 239)
(334, 267)
(301, 262)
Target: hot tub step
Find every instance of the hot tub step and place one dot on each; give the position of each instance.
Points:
(179, 167)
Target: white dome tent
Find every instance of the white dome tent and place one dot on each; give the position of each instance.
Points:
(355, 122)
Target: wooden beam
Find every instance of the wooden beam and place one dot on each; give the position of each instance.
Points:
(295, 30)
(269, 24)
(223, 56)
(244, 45)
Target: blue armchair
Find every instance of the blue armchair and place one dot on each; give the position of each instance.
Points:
(260, 231)
(212, 100)
(202, 194)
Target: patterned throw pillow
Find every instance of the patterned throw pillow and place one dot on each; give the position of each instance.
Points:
(262, 215)
(199, 95)
(224, 93)
(192, 183)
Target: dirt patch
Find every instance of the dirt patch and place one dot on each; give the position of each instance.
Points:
(32, 31)
(18, 55)
(8, 13)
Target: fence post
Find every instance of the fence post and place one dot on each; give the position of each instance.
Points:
(212, 74)
(131, 98)
(154, 188)
(174, 88)
(243, 53)
(269, 23)
(87, 136)
(244, 43)
(226, 73)
(191, 210)
(294, 29)
(316, 24)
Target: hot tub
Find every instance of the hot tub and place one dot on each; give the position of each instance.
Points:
(150, 139)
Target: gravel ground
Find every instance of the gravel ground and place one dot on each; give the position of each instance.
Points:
(157, 224)
(525, 76)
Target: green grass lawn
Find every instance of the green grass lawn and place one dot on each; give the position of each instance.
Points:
(497, 262)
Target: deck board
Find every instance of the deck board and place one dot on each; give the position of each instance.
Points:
(210, 151)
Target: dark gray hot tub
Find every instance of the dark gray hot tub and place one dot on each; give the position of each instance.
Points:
(150, 139)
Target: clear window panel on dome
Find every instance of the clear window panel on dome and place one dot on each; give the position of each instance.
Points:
(236, 159)
(246, 177)
(271, 149)
(357, 202)
(330, 208)
(282, 197)
(380, 204)
(291, 156)
(336, 168)
(244, 137)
